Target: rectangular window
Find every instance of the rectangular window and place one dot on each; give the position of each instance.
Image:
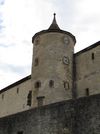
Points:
(87, 91)
(40, 101)
(51, 83)
(29, 98)
(36, 62)
(20, 132)
(66, 85)
(92, 56)
(2, 96)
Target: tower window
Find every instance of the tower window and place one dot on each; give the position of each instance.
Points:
(40, 101)
(92, 56)
(29, 98)
(87, 91)
(66, 85)
(38, 84)
(51, 83)
(36, 62)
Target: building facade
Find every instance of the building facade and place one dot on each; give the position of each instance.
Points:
(58, 74)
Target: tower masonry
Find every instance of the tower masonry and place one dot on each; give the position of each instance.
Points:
(52, 65)
(62, 94)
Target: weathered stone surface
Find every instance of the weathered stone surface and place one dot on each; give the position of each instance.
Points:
(45, 120)
(87, 74)
(81, 116)
(54, 52)
(15, 98)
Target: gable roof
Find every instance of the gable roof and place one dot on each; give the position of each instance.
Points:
(15, 84)
(88, 48)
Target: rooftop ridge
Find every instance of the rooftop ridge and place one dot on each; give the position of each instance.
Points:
(16, 83)
(88, 48)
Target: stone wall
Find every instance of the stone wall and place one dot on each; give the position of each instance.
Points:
(13, 99)
(52, 119)
(88, 115)
(52, 62)
(81, 116)
(87, 64)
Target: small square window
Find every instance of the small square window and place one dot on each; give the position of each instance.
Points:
(37, 84)
(51, 83)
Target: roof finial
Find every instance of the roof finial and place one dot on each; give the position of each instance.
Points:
(54, 25)
(54, 14)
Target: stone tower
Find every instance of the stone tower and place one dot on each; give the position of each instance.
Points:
(52, 65)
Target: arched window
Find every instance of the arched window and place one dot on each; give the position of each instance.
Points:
(40, 100)
(66, 85)
(37, 84)
(51, 83)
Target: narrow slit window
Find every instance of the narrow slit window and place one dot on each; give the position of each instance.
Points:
(17, 90)
(87, 91)
(51, 83)
(2, 96)
(64, 84)
(36, 62)
(29, 98)
(92, 56)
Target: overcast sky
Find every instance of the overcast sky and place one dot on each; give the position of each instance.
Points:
(21, 19)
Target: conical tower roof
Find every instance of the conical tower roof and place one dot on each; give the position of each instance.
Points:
(53, 28)
(54, 25)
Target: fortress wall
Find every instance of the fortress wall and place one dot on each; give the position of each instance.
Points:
(81, 116)
(51, 119)
(87, 64)
(88, 115)
(14, 99)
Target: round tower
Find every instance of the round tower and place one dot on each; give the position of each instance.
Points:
(52, 65)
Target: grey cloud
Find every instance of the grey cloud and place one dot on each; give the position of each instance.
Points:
(12, 68)
(2, 2)
(1, 28)
(91, 19)
(7, 45)
(3, 45)
(1, 23)
(67, 11)
(1, 20)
